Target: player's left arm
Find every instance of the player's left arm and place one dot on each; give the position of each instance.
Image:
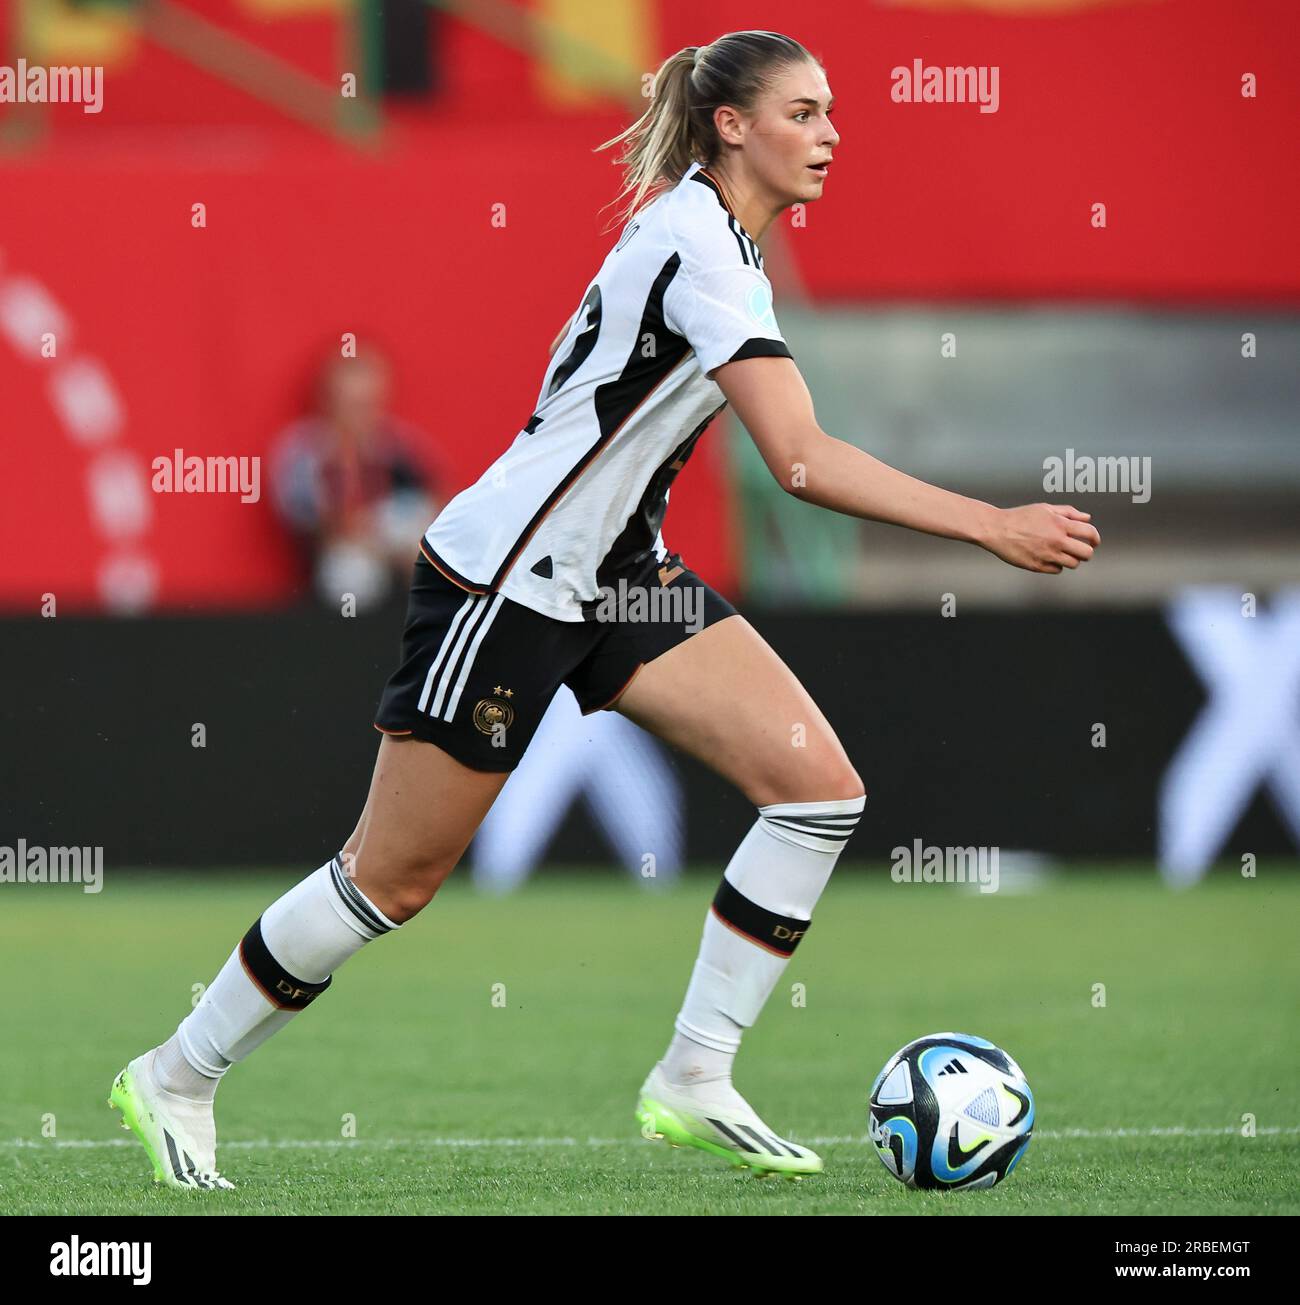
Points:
(770, 397)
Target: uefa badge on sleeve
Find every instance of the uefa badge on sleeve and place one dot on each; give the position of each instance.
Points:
(760, 307)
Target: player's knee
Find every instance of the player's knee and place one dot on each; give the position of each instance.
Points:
(403, 904)
(846, 785)
(833, 780)
(408, 886)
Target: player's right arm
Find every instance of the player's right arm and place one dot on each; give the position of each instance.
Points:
(771, 399)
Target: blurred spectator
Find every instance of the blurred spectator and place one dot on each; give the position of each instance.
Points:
(353, 484)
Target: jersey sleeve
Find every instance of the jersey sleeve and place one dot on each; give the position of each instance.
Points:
(724, 312)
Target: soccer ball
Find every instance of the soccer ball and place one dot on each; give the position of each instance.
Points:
(951, 1111)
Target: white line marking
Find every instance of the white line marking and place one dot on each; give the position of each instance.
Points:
(292, 1144)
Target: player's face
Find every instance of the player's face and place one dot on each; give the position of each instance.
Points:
(792, 133)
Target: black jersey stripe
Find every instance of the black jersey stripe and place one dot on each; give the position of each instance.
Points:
(617, 400)
(748, 242)
(634, 545)
(740, 240)
(582, 347)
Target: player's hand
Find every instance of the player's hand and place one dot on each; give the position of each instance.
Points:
(1043, 537)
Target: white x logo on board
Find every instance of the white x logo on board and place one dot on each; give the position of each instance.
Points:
(1247, 735)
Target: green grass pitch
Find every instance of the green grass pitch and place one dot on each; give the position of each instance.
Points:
(486, 1059)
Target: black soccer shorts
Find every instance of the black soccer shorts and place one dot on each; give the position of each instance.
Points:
(478, 671)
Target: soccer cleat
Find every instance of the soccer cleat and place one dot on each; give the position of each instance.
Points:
(714, 1117)
(177, 1133)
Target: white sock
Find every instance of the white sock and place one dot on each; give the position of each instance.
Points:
(280, 966)
(688, 1061)
(176, 1075)
(195, 1112)
(761, 911)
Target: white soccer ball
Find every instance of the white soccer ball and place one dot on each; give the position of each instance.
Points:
(951, 1111)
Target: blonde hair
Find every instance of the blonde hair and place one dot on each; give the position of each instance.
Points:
(678, 128)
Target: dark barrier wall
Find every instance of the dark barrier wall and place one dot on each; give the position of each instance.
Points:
(971, 730)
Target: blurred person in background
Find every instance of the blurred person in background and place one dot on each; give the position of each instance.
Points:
(354, 483)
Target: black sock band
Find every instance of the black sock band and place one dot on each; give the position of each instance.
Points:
(279, 986)
(778, 933)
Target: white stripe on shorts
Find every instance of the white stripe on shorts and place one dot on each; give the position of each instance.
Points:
(442, 648)
(497, 600)
(462, 638)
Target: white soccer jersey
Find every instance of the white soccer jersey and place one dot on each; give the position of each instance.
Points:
(578, 500)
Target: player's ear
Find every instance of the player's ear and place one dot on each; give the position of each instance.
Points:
(729, 124)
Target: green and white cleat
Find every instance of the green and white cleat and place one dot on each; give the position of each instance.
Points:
(178, 1134)
(714, 1117)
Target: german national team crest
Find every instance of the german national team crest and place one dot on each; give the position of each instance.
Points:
(491, 713)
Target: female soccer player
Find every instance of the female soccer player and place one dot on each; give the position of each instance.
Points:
(512, 597)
